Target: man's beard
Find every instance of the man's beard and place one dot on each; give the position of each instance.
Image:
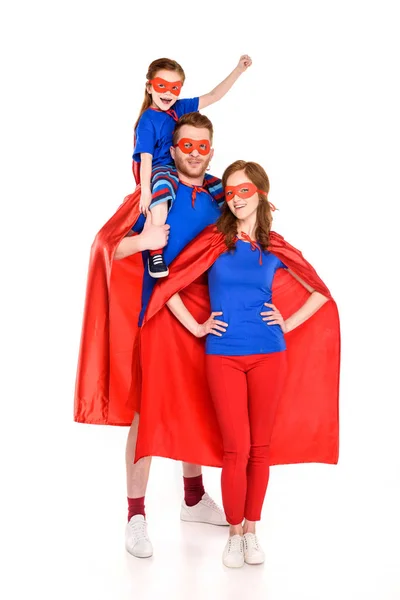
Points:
(183, 168)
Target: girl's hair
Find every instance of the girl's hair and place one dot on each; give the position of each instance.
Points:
(227, 222)
(158, 65)
(195, 119)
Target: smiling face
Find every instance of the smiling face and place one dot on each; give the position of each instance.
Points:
(242, 208)
(193, 164)
(162, 98)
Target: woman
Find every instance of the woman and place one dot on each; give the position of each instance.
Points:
(246, 362)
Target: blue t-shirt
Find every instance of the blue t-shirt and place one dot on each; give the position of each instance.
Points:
(154, 131)
(186, 223)
(239, 286)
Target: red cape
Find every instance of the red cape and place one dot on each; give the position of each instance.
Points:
(163, 366)
(110, 320)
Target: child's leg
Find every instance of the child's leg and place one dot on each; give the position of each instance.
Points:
(157, 267)
(164, 183)
(159, 213)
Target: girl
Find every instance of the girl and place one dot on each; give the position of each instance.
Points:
(246, 360)
(153, 138)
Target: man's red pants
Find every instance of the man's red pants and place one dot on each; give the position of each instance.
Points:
(245, 391)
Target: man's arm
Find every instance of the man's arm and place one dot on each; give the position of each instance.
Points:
(151, 238)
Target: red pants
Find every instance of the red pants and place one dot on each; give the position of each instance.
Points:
(245, 391)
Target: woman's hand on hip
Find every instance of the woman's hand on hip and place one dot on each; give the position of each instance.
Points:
(212, 325)
(273, 317)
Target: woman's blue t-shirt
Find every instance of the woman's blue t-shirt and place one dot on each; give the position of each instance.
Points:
(238, 287)
(155, 128)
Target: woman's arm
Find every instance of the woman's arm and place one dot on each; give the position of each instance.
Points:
(313, 303)
(184, 316)
(146, 164)
(224, 87)
(309, 308)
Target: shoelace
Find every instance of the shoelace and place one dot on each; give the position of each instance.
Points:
(157, 259)
(139, 530)
(210, 502)
(254, 541)
(253, 244)
(235, 544)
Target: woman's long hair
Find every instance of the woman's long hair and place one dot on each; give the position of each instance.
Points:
(158, 65)
(227, 222)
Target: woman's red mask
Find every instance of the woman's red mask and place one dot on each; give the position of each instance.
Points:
(243, 190)
(187, 146)
(161, 85)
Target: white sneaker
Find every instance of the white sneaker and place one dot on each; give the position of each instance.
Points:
(253, 553)
(233, 556)
(205, 511)
(137, 541)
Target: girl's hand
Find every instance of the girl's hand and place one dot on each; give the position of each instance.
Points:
(274, 317)
(244, 63)
(145, 199)
(211, 326)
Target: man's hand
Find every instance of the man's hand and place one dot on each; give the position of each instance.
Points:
(145, 200)
(244, 63)
(154, 237)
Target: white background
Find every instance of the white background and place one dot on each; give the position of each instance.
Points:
(319, 109)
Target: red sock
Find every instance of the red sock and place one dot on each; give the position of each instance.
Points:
(136, 507)
(154, 252)
(194, 489)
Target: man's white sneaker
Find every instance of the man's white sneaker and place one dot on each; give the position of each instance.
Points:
(137, 541)
(253, 553)
(233, 556)
(205, 511)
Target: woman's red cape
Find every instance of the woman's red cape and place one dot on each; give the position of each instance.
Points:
(159, 371)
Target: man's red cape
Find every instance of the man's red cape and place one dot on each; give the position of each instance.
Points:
(159, 371)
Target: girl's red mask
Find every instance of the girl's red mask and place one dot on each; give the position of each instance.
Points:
(187, 146)
(243, 190)
(161, 85)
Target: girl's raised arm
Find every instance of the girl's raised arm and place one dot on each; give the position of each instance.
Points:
(225, 85)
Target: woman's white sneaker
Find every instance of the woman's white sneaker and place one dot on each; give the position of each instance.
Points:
(137, 541)
(233, 556)
(253, 553)
(205, 511)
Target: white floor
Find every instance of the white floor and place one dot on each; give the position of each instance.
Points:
(329, 532)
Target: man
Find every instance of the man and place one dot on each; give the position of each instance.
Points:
(105, 374)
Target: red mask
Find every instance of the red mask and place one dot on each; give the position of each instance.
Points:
(243, 190)
(161, 85)
(187, 146)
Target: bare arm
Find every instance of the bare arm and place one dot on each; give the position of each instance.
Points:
(313, 303)
(184, 316)
(225, 85)
(151, 238)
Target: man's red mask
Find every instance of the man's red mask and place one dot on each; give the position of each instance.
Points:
(187, 146)
(243, 190)
(161, 85)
